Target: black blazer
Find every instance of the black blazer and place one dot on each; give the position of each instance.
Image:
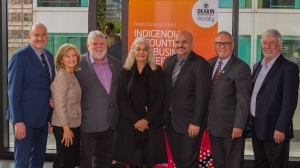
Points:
(276, 99)
(155, 97)
(188, 98)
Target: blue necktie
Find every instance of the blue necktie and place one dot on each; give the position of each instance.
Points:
(46, 66)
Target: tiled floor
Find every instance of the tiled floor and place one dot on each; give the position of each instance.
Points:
(10, 164)
(294, 150)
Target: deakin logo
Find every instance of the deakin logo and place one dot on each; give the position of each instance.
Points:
(205, 14)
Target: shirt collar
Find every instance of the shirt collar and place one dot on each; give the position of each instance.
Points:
(93, 61)
(184, 58)
(224, 61)
(263, 64)
(37, 52)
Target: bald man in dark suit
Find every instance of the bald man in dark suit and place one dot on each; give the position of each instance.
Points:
(187, 77)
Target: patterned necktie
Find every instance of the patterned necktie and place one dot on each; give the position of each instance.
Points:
(216, 75)
(176, 70)
(45, 64)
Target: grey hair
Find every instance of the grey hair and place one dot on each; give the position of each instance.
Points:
(130, 58)
(273, 33)
(227, 33)
(93, 34)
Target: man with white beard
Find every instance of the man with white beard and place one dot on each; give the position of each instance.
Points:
(98, 78)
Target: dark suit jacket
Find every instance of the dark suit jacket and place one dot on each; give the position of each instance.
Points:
(28, 88)
(99, 109)
(155, 97)
(188, 98)
(115, 50)
(229, 102)
(276, 99)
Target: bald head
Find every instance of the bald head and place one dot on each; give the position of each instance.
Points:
(38, 36)
(183, 43)
(35, 25)
(185, 33)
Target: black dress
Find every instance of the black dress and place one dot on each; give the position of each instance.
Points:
(135, 92)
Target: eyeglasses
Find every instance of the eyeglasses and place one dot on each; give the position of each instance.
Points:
(226, 44)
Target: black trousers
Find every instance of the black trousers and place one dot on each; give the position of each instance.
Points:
(97, 149)
(269, 154)
(227, 152)
(184, 149)
(66, 157)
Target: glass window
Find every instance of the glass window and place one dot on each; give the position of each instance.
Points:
(57, 39)
(64, 3)
(244, 52)
(279, 4)
(228, 3)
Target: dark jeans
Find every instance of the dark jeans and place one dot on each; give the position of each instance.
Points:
(97, 149)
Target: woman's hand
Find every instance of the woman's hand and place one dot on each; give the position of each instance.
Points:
(141, 125)
(67, 136)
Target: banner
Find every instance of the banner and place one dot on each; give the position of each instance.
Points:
(160, 20)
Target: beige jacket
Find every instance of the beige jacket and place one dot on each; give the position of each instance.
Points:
(66, 93)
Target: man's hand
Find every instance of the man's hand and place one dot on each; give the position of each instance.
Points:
(20, 130)
(141, 125)
(51, 102)
(278, 136)
(193, 130)
(236, 133)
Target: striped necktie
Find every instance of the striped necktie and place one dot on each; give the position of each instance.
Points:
(217, 73)
(176, 70)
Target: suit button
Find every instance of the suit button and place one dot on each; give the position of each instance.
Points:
(210, 97)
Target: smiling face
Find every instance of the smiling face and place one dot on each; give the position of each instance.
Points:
(270, 47)
(97, 48)
(183, 44)
(141, 52)
(224, 46)
(38, 36)
(70, 60)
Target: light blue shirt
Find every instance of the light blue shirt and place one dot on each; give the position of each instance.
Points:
(224, 62)
(259, 80)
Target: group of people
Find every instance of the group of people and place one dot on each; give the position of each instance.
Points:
(100, 111)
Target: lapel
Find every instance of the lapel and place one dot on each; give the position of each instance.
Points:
(256, 70)
(168, 68)
(91, 72)
(224, 70)
(212, 65)
(274, 68)
(34, 57)
(185, 65)
(113, 73)
(51, 62)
